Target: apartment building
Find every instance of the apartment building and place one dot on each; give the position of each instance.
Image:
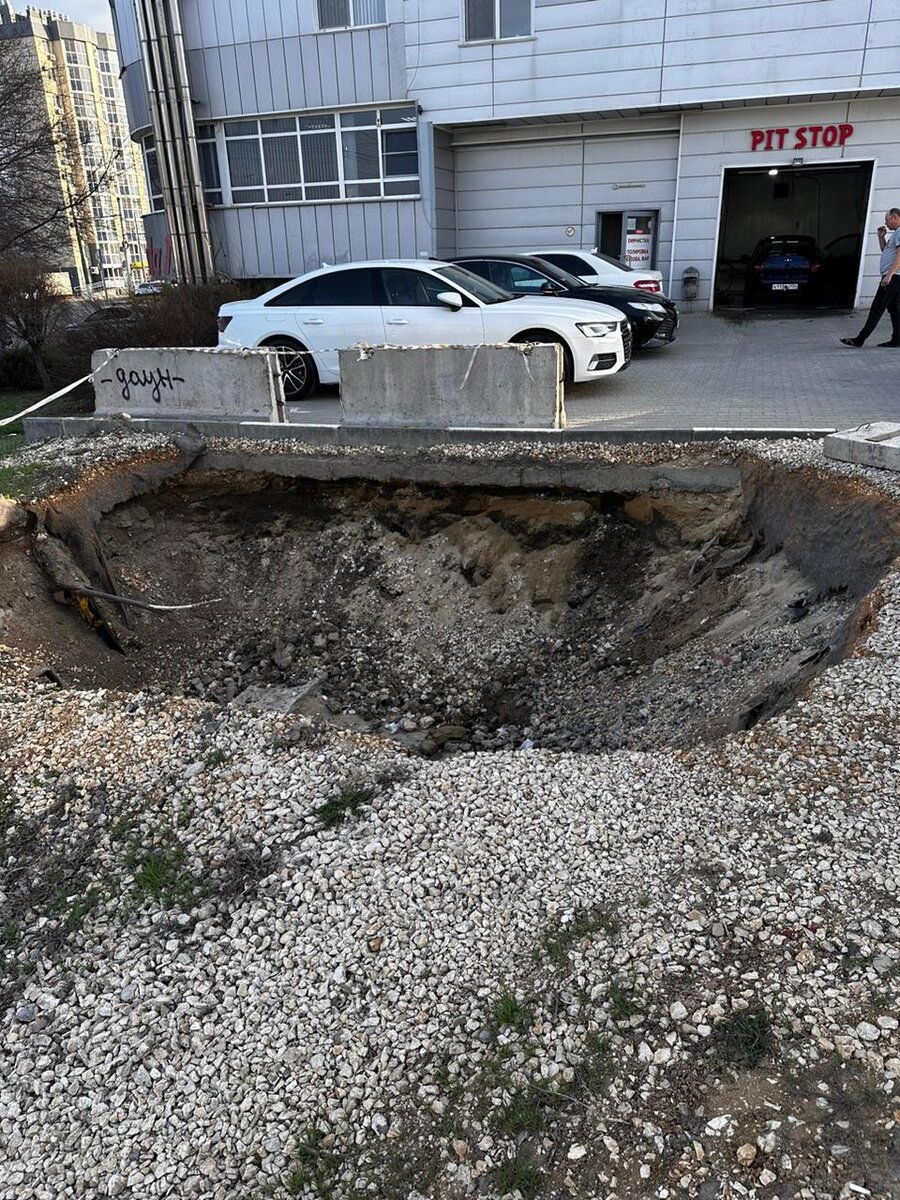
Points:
(675, 133)
(79, 73)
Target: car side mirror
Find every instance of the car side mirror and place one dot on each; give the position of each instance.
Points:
(451, 299)
(549, 289)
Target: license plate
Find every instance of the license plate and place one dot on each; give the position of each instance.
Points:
(785, 287)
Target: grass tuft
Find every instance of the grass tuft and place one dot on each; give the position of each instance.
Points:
(346, 803)
(586, 923)
(622, 1003)
(745, 1039)
(509, 1011)
(159, 872)
(517, 1175)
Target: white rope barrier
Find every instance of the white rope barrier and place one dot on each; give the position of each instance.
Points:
(56, 395)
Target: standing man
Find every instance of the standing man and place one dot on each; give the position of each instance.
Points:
(888, 294)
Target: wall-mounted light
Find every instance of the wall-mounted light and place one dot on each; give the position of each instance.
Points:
(773, 170)
(796, 162)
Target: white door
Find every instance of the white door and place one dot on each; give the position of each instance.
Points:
(336, 310)
(413, 315)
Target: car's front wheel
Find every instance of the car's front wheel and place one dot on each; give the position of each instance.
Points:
(544, 336)
(299, 376)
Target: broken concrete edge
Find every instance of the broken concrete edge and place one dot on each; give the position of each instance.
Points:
(42, 428)
(872, 445)
(488, 472)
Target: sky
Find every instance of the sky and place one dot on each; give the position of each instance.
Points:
(90, 12)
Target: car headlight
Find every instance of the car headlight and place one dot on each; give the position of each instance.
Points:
(598, 328)
(654, 308)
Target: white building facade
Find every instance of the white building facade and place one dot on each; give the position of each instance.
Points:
(677, 133)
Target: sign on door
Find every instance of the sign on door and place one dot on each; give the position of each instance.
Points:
(638, 243)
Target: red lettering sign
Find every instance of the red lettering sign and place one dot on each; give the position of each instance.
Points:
(801, 138)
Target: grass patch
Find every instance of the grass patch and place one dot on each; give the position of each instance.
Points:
(159, 872)
(10, 442)
(517, 1175)
(622, 1003)
(746, 1038)
(597, 1068)
(524, 1113)
(510, 1012)
(17, 481)
(346, 803)
(586, 923)
(216, 758)
(315, 1166)
(13, 402)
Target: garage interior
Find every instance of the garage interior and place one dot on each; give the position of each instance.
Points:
(826, 203)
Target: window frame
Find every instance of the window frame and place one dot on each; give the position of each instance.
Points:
(156, 199)
(487, 41)
(343, 183)
(320, 28)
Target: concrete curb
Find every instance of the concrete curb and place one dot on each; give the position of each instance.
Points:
(40, 428)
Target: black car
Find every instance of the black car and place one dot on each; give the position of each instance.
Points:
(652, 317)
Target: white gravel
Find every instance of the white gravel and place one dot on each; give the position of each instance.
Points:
(363, 980)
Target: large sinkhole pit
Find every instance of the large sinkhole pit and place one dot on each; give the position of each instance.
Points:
(463, 618)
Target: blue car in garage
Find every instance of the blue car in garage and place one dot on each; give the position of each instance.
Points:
(783, 266)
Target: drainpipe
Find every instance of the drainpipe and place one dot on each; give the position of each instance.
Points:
(171, 110)
(175, 147)
(193, 155)
(159, 119)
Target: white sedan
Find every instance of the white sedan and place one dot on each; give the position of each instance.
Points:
(413, 302)
(594, 268)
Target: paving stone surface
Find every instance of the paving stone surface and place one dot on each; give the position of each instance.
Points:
(758, 372)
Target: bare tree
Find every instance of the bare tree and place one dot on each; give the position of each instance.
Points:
(29, 307)
(35, 206)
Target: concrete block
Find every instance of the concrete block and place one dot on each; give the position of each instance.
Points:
(875, 445)
(453, 387)
(189, 382)
(276, 699)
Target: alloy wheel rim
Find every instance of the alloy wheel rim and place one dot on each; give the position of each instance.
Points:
(294, 373)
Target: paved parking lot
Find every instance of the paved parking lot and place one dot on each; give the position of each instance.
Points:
(740, 372)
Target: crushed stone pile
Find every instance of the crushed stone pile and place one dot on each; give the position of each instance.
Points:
(252, 954)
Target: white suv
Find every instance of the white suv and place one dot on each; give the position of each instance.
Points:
(594, 268)
(409, 302)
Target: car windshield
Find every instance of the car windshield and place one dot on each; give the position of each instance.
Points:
(487, 293)
(564, 278)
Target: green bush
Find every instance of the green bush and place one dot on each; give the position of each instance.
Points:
(17, 370)
(183, 315)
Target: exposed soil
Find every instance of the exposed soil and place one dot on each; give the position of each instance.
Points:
(451, 618)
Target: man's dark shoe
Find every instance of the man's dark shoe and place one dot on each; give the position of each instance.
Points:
(852, 342)
(896, 345)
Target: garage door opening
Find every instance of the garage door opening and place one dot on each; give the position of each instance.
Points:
(792, 237)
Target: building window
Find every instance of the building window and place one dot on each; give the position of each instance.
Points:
(209, 164)
(345, 14)
(491, 20)
(370, 153)
(151, 167)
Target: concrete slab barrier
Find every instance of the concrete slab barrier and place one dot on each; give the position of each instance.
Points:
(871, 445)
(453, 387)
(190, 382)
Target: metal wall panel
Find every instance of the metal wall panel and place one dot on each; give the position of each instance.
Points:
(587, 57)
(527, 193)
(444, 195)
(282, 241)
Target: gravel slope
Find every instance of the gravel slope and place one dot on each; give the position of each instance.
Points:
(623, 975)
